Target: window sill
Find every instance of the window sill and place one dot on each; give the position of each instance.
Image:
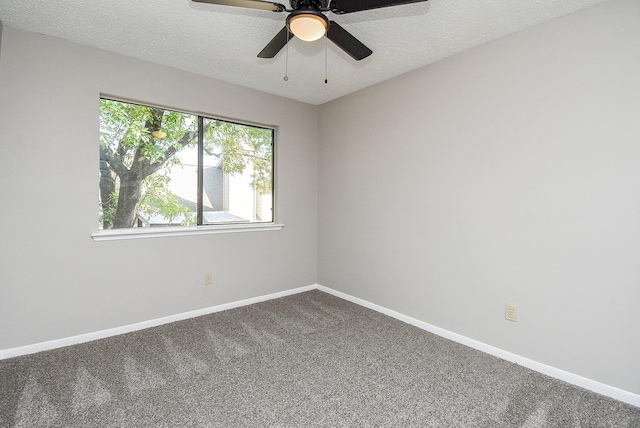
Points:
(138, 233)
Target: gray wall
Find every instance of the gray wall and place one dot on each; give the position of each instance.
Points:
(55, 281)
(506, 174)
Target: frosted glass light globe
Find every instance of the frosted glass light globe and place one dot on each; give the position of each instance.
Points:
(308, 27)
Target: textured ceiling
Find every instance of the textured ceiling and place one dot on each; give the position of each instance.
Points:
(222, 41)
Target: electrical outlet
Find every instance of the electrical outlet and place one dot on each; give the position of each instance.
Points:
(208, 278)
(511, 312)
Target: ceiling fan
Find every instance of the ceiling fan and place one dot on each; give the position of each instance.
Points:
(307, 22)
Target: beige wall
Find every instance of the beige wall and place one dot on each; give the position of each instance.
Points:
(55, 281)
(506, 174)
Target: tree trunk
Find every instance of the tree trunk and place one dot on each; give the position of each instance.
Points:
(107, 188)
(128, 198)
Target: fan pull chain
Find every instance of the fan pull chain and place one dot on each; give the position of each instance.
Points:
(286, 61)
(326, 44)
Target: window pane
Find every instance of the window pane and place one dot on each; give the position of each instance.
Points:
(237, 173)
(141, 150)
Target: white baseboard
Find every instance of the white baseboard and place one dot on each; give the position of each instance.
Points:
(574, 379)
(82, 338)
(598, 387)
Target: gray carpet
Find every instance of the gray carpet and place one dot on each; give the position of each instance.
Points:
(305, 360)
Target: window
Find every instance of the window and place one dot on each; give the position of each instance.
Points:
(160, 167)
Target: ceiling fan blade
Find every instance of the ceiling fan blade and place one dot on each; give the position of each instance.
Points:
(347, 6)
(249, 4)
(276, 44)
(345, 41)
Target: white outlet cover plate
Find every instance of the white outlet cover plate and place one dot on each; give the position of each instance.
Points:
(511, 312)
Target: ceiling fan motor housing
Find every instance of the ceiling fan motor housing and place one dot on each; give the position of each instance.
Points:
(321, 5)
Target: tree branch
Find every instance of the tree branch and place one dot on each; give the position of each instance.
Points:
(153, 123)
(115, 161)
(250, 155)
(184, 141)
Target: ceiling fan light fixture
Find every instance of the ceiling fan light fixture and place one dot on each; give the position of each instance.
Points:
(308, 25)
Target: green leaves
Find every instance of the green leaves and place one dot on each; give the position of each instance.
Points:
(127, 130)
(157, 199)
(242, 147)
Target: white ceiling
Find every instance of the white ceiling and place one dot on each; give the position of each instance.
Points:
(222, 42)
